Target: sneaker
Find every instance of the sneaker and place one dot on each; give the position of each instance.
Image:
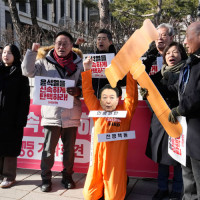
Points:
(175, 196)
(46, 186)
(160, 194)
(68, 182)
(7, 184)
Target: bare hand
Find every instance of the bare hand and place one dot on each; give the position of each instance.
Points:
(35, 46)
(87, 64)
(74, 91)
(79, 41)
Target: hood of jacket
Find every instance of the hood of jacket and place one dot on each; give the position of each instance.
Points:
(45, 50)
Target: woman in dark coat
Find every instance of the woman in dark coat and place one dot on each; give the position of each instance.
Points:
(174, 57)
(14, 108)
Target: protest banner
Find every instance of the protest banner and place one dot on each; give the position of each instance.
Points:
(138, 164)
(100, 62)
(52, 92)
(177, 146)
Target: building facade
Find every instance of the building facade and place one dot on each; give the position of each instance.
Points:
(54, 14)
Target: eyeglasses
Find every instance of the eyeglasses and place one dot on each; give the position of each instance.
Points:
(163, 35)
(64, 44)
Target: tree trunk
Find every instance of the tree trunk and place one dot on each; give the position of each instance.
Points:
(15, 17)
(158, 14)
(104, 13)
(36, 28)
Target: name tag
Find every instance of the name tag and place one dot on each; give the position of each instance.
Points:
(102, 113)
(108, 137)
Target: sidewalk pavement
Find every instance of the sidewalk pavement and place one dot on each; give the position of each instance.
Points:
(27, 187)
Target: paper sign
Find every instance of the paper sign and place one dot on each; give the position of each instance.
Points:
(177, 146)
(116, 136)
(159, 62)
(100, 62)
(98, 113)
(52, 92)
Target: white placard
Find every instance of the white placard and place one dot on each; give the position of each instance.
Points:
(100, 62)
(103, 113)
(116, 136)
(159, 62)
(52, 92)
(177, 146)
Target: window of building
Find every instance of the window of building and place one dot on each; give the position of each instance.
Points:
(44, 10)
(71, 4)
(83, 13)
(54, 11)
(22, 7)
(62, 4)
(8, 20)
(35, 10)
(77, 10)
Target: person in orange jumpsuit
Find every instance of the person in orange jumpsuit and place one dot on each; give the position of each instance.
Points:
(107, 173)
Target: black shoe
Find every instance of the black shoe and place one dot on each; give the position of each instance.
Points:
(46, 185)
(68, 182)
(160, 194)
(175, 196)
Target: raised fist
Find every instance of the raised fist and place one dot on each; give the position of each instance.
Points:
(35, 46)
(87, 64)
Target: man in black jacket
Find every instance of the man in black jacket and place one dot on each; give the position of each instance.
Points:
(104, 45)
(166, 34)
(189, 106)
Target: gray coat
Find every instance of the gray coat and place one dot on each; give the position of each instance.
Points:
(52, 115)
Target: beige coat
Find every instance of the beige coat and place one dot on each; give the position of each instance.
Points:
(45, 65)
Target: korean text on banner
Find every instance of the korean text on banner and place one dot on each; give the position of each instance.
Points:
(177, 146)
(116, 136)
(100, 62)
(52, 92)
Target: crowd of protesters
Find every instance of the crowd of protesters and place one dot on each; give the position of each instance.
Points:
(178, 81)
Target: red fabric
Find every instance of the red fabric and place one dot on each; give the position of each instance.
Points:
(66, 62)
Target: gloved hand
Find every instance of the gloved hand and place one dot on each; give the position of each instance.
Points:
(143, 92)
(173, 115)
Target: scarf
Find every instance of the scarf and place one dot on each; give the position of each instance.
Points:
(66, 62)
(170, 74)
(174, 69)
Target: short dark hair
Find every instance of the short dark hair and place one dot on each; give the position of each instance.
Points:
(181, 49)
(108, 86)
(16, 54)
(65, 33)
(109, 35)
(1, 47)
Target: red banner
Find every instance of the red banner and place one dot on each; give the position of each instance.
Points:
(138, 164)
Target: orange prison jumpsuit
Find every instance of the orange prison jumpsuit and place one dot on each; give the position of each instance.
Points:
(108, 171)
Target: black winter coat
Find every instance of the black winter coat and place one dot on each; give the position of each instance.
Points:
(189, 106)
(14, 108)
(157, 146)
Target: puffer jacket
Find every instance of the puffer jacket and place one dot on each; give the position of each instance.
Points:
(47, 66)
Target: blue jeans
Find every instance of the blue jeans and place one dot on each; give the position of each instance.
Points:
(163, 175)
